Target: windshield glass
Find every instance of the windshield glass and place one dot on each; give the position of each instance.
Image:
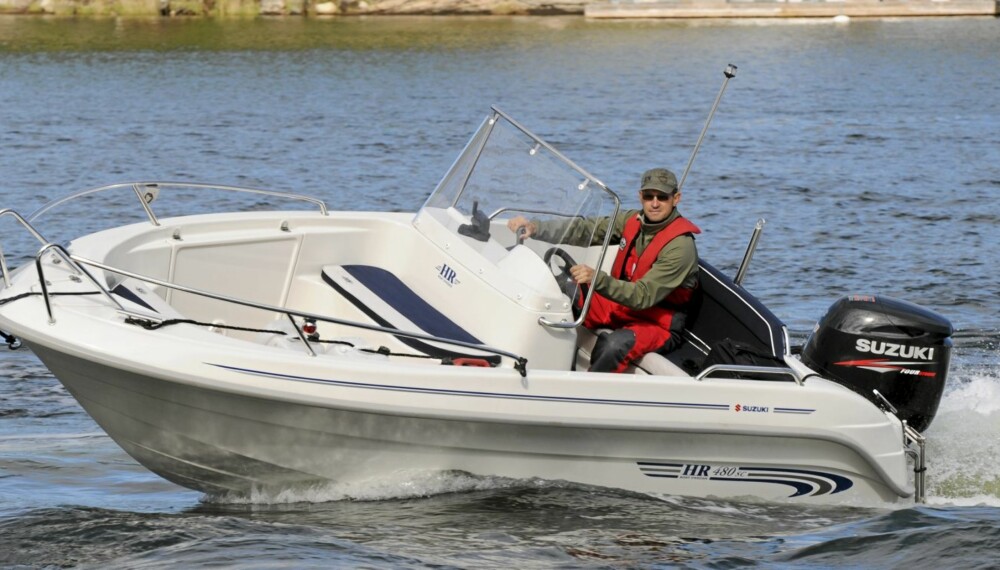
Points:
(505, 171)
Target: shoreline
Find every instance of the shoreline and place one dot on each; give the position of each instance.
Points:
(690, 9)
(601, 9)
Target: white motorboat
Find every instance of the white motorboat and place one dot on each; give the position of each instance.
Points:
(233, 352)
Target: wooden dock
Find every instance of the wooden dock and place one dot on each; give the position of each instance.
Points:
(687, 9)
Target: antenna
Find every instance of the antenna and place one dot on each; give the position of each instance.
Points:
(729, 72)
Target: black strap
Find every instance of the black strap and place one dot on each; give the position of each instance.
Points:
(39, 294)
(154, 325)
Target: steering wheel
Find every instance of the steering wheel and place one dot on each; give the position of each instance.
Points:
(564, 278)
(568, 262)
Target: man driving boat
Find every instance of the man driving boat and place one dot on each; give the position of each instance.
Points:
(653, 279)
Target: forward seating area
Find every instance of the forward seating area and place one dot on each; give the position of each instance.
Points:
(389, 302)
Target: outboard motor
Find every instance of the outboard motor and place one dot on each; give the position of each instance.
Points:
(878, 343)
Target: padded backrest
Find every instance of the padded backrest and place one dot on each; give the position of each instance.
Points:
(724, 310)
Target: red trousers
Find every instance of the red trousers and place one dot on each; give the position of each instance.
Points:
(651, 327)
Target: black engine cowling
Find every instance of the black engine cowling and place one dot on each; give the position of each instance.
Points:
(879, 343)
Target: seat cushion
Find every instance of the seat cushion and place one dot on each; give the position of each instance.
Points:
(391, 303)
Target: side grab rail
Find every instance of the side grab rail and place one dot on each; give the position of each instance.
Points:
(76, 267)
(519, 361)
(31, 229)
(768, 370)
(146, 192)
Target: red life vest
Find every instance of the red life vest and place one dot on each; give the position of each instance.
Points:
(630, 266)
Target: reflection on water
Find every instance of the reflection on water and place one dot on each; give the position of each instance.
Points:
(399, 33)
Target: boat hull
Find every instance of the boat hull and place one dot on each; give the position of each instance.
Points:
(217, 441)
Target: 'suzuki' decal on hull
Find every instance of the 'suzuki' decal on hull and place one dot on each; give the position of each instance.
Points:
(805, 482)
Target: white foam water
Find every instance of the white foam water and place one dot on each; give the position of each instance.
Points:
(403, 484)
(963, 446)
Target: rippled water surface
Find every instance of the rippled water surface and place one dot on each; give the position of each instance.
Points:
(872, 149)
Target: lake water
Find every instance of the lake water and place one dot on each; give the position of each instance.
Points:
(872, 149)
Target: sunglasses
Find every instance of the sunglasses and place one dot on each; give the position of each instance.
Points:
(649, 195)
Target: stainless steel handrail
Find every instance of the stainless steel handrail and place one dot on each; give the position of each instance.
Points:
(31, 229)
(135, 185)
(741, 273)
(499, 211)
(600, 262)
(144, 199)
(147, 199)
(520, 361)
(45, 286)
(775, 370)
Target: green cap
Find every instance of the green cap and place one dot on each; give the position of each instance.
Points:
(659, 179)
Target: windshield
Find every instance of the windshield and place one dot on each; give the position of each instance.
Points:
(505, 171)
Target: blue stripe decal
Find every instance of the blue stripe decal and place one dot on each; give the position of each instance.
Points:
(794, 410)
(806, 482)
(801, 487)
(841, 483)
(474, 394)
(406, 302)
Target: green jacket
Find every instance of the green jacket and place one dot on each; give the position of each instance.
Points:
(675, 266)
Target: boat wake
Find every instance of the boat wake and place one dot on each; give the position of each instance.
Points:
(962, 444)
